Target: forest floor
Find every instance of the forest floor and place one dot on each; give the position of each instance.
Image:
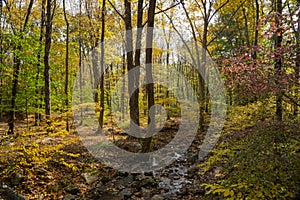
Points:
(262, 156)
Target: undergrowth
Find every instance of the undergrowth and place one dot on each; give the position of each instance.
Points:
(34, 149)
(257, 162)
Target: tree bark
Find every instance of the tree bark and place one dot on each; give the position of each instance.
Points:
(137, 63)
(278, 62)
(38, 89)
(200, 66)
(133, 101)
(246, 27)
(297, 64)
(101, 115)
(48, 33)
(16, 72)
(80, 64)
(1, 40)
(146, 144)
(66, 65)
(256, 27)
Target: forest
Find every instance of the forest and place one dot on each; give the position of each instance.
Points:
(149, 99)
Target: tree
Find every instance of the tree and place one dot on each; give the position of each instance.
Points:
(133, 101)
(256, 28)
(295, 26)
(38, 105)
(297, 67)
(16, 67)
(1, 62)
(150, 86)
(208, 10)
(50, 10)
(101, 116)
(278, 62)
(67, 62)
(137, 63)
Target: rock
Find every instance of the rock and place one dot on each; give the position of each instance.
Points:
(157, 197)
(146, 193)
(125, 193)
(105, 180)
(164, 182)
(202, 154)
(297, 197)
(135, 184)
(217, 170)
(149, 182)
(40, 197)
(70, 197)
(120, 173)
(192, 158)
(109, 196)
(144, 181)
(55, 188)
(124, 181)
(41, 171)
(110, 130)
(193, 170)
(89, 178)
(17, 178)
(137, 145)
(73, 190)
(8, 193)
(122, 133)
(148, 173)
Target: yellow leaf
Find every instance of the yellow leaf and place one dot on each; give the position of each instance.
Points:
(226, 193)
(231, 193)
(239, 195)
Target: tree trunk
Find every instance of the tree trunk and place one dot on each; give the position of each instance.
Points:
(16, 72)
(38, 89)
(123, 88)
(146, 144)
(80, 65)
(297, 64)
(200, 66)
(67, 66)
(49, 16)
(133, 101)
(278, 62)
(80, 79)
(137, 63)
(246, 28)
(204, 93)
(1, 40)
(256, 27)
(101, 115)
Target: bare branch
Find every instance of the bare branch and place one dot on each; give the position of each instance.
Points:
(7, 6)
(241, 5)
(217, 10)
(203, 14)
(28, 14)
(193, 32)
(291, 18)
(113, 6)
(53, 10)
(161, 11)
(181, 37)
(294, 101)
